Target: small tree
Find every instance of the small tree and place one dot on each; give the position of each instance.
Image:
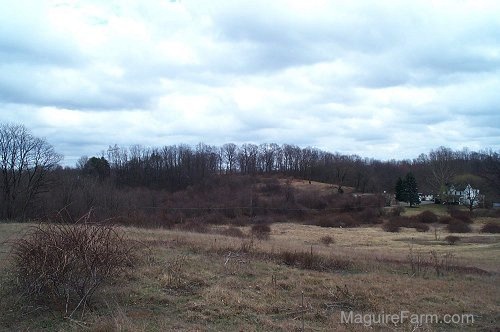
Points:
(411, 190)
(407, 190)
(400, 190)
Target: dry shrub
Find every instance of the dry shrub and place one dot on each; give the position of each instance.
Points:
(272, 186)
(369, 216)
(345, 299)
(311, 200)
(395, 223)
(487, 213)
(230, 213)
(195, 226)
(428, 217)
(313, 261)
(452, 239)
(240, 221)
(247, 246)
(397, 211)
(421, 227)
(261, 231)
(232, 231)
(217, 218)
(458, 226)
(325, 222)
(346, 203)
(491, 227)
(342, 220)
(461, 215)
(66, 263)
(392, 225)
(327, 240)
(445, 220)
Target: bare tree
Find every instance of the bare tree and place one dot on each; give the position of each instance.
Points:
(25, 161)
(247, 158)
(341, 169)
(230, 153)
(442, 164)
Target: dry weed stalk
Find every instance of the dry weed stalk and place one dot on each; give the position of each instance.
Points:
(175, 271)
(344, 299)
(441, 263)
(418, 262)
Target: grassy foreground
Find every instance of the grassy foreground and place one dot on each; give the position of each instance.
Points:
(209, 282)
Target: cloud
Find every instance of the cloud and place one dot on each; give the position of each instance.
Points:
(370, 78)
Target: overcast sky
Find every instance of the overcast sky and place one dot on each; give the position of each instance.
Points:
(383, 79)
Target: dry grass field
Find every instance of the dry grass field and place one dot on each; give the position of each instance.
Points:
(294, 280)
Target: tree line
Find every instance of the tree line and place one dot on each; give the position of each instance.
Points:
(30, 170)
(177, 166)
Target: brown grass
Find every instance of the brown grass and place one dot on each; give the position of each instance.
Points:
(206, 281)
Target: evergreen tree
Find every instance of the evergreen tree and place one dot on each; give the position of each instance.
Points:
(407, 190)
(98, 167)
(400, 190)
(411, 190)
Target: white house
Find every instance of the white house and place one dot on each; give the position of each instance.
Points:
(466, 196)
(425, 197)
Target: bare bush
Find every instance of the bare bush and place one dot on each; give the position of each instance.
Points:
(452, 239)
(445, 220)
(458, 226)
(218, 218)
(341, 220)
(391, 226)
(327, 240)
(272, 186)
(345, 299)
(67, 263)
(487, 213)
(395, 223)
(427, 217)
(421, 227)
(241, 221)
(464, 216)
(232, 231)
(369, 216)
(313, 261)
(491, 227)
(261, 231)
(195, 226)
(311, 200)
(397, 210)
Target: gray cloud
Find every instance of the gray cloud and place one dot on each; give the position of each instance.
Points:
(370, 78)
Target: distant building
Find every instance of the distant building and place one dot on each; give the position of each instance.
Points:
(463, 195)
(425, 197)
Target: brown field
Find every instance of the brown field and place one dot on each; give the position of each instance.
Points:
(314, 186)
(209, 282)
